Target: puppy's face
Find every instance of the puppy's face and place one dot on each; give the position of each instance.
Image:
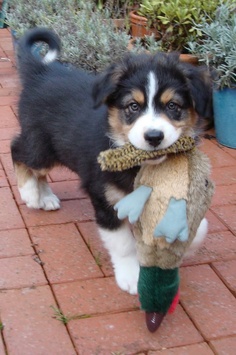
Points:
(150, 104)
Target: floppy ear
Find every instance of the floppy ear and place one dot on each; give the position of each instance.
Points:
(200, 84)
(106, 83)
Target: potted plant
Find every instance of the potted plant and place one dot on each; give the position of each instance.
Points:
(217, 49)
(88, 40)
(173, 21)
(142, 21)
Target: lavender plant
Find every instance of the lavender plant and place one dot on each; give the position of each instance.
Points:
(89, 38)
(217, 47)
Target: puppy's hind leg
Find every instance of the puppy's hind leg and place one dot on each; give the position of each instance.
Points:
(34, 188)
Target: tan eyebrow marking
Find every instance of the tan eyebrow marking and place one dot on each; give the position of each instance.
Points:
(167, 96)
(138, 96)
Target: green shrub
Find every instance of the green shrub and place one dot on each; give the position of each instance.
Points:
(175, 19)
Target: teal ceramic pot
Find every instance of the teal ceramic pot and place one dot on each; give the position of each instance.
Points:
(224, 105)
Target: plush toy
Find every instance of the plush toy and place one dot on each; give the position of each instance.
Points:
(166, 208)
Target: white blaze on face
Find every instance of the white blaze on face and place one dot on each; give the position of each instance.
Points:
(151, 120)
(152, 89)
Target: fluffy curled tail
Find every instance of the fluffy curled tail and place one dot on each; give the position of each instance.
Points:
(28, 62)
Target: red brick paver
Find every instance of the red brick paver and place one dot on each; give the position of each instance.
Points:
(57, 289)
(209, 303)
(224, 346)
(226, 271)
(196, 349)
(126, 333)
(29, 326)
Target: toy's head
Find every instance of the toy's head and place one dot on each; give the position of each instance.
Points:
(128, 156)
(152, 100)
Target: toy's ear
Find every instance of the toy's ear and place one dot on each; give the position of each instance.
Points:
(200, 84)
(106, 83)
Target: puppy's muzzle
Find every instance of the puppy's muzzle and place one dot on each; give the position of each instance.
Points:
(154, 137)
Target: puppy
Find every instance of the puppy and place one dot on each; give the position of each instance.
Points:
(68, 116)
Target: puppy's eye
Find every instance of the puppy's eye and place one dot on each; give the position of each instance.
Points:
(172, 106)
(134, 107)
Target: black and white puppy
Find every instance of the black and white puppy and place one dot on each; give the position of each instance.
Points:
(68, 116)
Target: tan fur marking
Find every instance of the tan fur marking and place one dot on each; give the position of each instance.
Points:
(23, 174)
(113, 194)
(138, 96)
(186, 124)
(119, 129)
(167, 96)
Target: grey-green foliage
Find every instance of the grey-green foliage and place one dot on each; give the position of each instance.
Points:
(174, 19)
(117, 8)
(149, 43)
(89, 38)
(218, 45)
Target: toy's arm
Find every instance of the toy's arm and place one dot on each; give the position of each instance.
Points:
(174, 224)
(132, 205)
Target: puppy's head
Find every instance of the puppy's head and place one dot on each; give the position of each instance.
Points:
(152, 100)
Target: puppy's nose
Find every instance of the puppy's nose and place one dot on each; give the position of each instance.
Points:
(154, 137)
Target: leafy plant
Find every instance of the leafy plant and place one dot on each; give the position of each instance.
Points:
(89, 38)
(175, 19)
(59, 315)
(217, 47)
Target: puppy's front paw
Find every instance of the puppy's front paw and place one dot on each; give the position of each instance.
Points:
(127, 274)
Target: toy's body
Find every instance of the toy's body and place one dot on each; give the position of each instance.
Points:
(166, 208)
(182, 177)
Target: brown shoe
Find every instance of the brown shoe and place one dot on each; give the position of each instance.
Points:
(153, 320)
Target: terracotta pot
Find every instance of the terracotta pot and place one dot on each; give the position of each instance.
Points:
(139, 26)
(189, 58)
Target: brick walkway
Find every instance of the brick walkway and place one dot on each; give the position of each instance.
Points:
(55, 260)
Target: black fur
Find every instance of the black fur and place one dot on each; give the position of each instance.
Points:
(63, 114)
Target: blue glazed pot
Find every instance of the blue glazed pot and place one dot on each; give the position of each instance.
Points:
(224, 105)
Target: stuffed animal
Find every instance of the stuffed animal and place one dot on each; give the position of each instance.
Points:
(166, 208)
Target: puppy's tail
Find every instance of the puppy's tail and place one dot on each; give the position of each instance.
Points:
(30, 63)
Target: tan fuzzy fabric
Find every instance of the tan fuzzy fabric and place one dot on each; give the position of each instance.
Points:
(169, 179)
(185, 176)
(128, 156)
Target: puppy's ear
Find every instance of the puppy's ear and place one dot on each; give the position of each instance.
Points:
(200, 84)
(106, 83)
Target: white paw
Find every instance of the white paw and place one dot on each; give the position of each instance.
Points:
(32, 204)
(49, 202)
(127, 274)
(37, 194)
